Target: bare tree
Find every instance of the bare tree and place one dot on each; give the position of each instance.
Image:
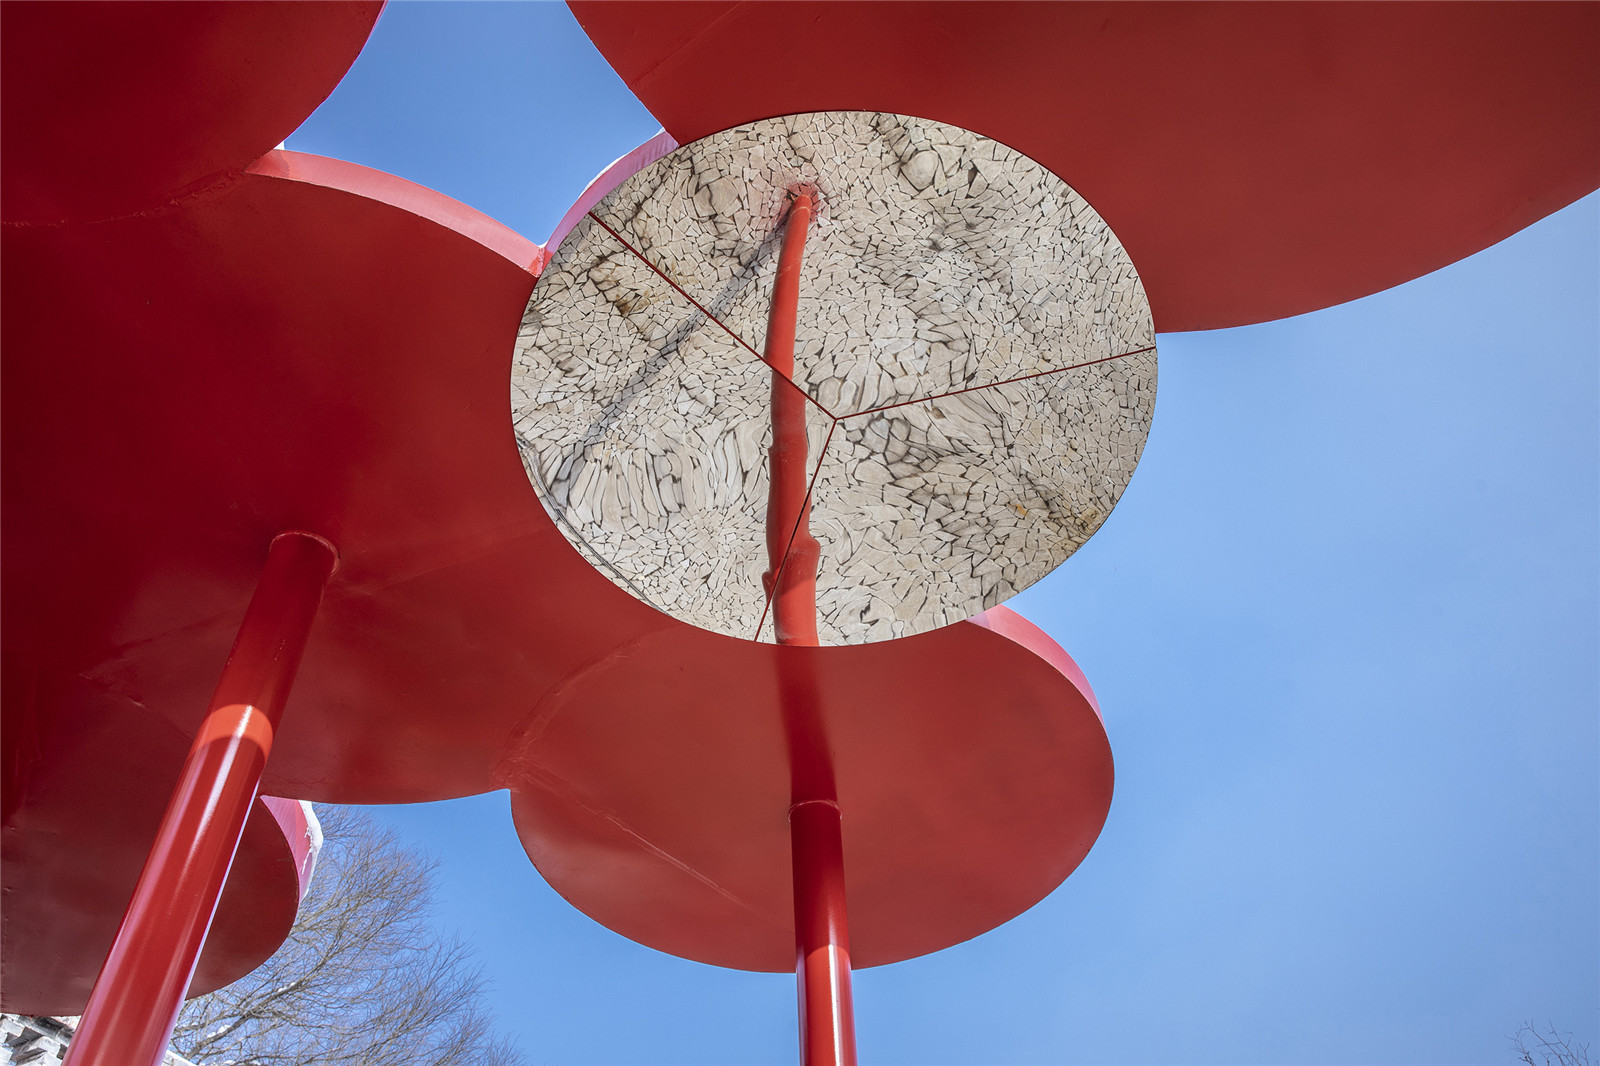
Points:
(1549, 1048)
(362, 980)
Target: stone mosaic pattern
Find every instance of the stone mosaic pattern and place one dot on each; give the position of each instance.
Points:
(939, 259)
(645, 427)
(952, 293)
(932, 511)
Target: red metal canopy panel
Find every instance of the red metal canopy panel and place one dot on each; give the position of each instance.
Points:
(973, 775)
(1256, 160)
(96, 781)
(117, 108)
(278, 353)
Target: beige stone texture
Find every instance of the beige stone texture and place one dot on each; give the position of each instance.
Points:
(645, 427)
(971, 331)
(938, 260)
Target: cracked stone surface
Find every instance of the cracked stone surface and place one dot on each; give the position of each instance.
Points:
(644, 427)
(939, 259)
(970, 331)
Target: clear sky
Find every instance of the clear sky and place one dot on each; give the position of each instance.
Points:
(1344, 624)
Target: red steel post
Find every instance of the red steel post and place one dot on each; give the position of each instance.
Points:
(792, 552)
(136, 998)
(822, 936)
(821, 929)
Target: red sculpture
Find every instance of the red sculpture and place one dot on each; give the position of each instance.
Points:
(207, 343)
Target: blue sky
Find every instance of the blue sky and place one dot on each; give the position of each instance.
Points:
(1344, 624)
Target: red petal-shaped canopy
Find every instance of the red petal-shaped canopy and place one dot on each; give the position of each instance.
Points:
(122, 107)
(972, 770)
(283, 352)
(1257, 160)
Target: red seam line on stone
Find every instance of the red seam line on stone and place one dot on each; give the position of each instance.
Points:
(997, 384)
(805, 512)
(737, 339)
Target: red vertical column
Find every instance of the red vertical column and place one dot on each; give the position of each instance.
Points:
(792, 552)
(822, 935)
(821, 927)
(140, 989)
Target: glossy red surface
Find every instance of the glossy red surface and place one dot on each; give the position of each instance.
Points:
(136, 998)
(1257, 160)
(661, 810)
(124, 107)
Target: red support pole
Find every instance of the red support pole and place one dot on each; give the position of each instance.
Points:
(821, 928)
(792, 552)
(140, 990)
(822, 936)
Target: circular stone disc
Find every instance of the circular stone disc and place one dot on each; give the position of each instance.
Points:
(974, 348)
(972, 771)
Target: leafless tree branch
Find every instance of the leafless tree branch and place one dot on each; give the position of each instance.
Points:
(1549, 1048)
(361, 981)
